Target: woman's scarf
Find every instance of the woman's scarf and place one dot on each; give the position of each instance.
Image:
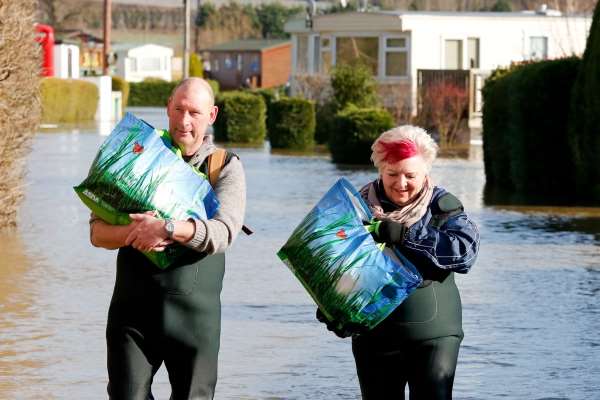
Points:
(409, 213)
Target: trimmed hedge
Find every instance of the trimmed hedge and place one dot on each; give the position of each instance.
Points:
(241, 118)
(291, 123)
(324, 114)
(150, 92)
(68, 100)
(121, 85)
(355, 130)
(214, 85)
(525, 129)
(496, 150)
(154, 92)
(196, 66)
(268, 95)
(585, 117)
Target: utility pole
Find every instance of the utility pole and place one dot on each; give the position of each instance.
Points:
(186, 39)
(106, 46)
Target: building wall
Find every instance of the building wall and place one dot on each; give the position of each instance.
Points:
(228, 74)
(269, 68)
(149, 61)
(276, 66)
(66, 61)
(503, 38)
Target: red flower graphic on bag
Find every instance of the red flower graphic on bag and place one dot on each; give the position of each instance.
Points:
(341, 234)
(137, 148)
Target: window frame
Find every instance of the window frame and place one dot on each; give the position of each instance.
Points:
(546, 45)
(385, 49)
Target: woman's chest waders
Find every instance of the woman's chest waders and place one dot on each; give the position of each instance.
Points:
(430, 312)
(171, 316)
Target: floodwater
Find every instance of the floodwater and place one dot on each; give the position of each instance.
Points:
(531, 303)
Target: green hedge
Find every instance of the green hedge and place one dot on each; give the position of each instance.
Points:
(68, 100)
(525, 129)
(150, 92)
(291, 123)
(121, 85)
(355, 130)
(585, 118)
(496, 150)
(324, 114)
(154, 92)
(196, 68)
(214, 85)
(241, 118)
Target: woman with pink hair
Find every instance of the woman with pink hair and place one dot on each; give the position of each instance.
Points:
(418, 343)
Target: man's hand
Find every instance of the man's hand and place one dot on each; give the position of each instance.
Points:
(147, 233)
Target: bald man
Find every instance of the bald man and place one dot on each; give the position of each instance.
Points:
(173, 315)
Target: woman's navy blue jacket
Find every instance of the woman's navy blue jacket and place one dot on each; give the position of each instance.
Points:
(452, 246)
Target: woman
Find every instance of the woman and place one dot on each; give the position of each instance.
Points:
(418, 343)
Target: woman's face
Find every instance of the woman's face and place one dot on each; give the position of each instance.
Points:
(403, 180)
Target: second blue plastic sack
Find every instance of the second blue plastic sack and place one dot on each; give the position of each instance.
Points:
(351, 277)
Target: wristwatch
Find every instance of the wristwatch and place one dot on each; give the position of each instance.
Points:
(169, 228)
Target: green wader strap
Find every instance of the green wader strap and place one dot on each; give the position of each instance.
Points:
(168, 141)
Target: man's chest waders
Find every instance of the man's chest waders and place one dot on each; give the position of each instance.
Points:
(171, 316)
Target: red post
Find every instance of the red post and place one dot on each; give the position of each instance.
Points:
(45, 38)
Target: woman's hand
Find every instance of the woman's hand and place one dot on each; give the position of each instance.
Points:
(390, 232)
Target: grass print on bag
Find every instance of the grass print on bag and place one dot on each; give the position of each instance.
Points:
(352, 278)
(136, 170)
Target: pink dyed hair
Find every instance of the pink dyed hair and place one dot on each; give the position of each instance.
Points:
(403, 142)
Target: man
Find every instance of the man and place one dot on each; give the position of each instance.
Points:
(173, 315)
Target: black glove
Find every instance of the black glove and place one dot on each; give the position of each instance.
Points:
(344, 331)
(390, 232)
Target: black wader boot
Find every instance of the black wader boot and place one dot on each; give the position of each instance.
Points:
(171, 316)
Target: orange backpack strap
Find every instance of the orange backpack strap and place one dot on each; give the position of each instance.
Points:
(216, 162)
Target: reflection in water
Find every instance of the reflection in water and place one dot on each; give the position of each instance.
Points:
(530, 304)
(15, 310)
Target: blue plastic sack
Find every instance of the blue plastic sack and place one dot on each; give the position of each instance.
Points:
(352, 278)
(137, 169)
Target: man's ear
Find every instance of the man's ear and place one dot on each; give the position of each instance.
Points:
(169, 105)
(213, 114)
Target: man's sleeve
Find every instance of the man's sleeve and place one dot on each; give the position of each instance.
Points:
(218, 233)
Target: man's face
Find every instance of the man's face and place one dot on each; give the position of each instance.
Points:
(190, 112)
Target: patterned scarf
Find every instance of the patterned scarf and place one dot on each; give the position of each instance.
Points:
(407, 214)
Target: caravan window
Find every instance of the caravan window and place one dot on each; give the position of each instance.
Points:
(395, 52)
(538, 47)
(353, 50)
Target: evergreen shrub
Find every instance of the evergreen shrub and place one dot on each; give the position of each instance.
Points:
(151, 92)
(539, 103)
(350, 85)
(68, 100)
(354, 84)
(214, 85)
(531, 105)
(241, 118)
(291, 123)
(121, 85)
(584, 125)
(495, 120)
(355, 130)
(196, 69)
